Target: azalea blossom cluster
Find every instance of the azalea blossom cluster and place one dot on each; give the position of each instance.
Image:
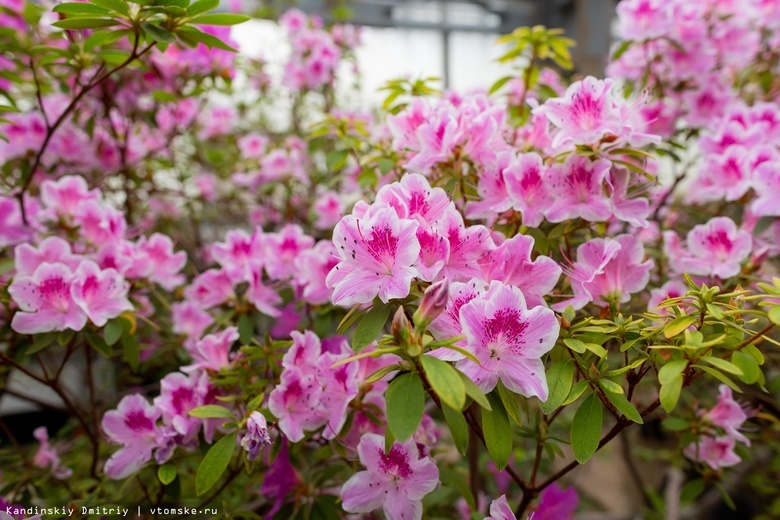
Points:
(61, 283)
(722, 422)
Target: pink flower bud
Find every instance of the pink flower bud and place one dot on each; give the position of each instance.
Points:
(433, 302)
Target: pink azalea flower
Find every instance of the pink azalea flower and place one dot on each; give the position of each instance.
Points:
(51, 250)
(47, 457)
(508, 339)
(633, 210)
(164, 263)
(286, 322)
(716, 248)
(577, 187)
(340, 387)
(66, 194)
(328, 209)
(280, 479)
(447, 324)
(264, 298)
(101, 293)
(556, 503)
(213, 351)
(767, 186)
(283, 248)
(12, 229)
(669, 290)
(584, 114)
(467, 246)
(500, 510)
(133, 425)
(607, 269)
(100, 224)
(728, 414)
(256, 436)
(396, 481)
(434, 253)
(716, 452)
(311, 270)
(45, 301)
(376, 254)
(527, 187)
(210, 288)
(252, 146)
(511, 263)
(190, 319)
(413, 196)
(492, 189)
(179, 394)
(238, 254)
(296, 403)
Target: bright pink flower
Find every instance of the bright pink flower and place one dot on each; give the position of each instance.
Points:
(190, 319)
(213, 351)
(396, 481)
(728, 414)
(252, 146)
(716, 248)
(238, 254)
(413, 197)
(728, 175)
(508, 339)
(280, 479)
(467, 246)
(644, 19)
(633, 210)
(133, 425)
(101, 293)
(66, 194)
(282, 248)
(99, 223)
(50, 250)
(12, 229)
(434, 253)
(328, 209)
(286, 322)
(447, 324)
(179, 394)
(45, 301)
(556, 503)
(47, 457)
(585, 113)
(577, 187)
(607, 269)
(511, 263)
(528, 188)
(296, 403)
(311, 270)
(164, 263)
(376, 254)
(210, 288)
(500, 510)
(716, 452)
(263, 297)
(492, 189)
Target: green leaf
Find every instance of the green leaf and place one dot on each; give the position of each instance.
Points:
(99, 344)
(473, 391)
(112, 332)
(212, 411)
(748, 365)
(724, 365)
(586, 429)
(405, 402)
(621, 49)
(458, 428)
(576, 391)
(511, 405)
(670, 393)
(246, 329)
(192, 35)
(445, 381)
(671, 370)
(774, 314)
(385, 165)
(202, 6)
(167, 473)
(84, 23)
(720, 376)
(458, 482)
(335, 160)
(559, 381)
(382, 372)
(370, 326)
(624, 406)
(611, 386)
(575, 344)
(113, 5)
(78, 8)
(41, 342)
(158, 34)
(675, 424)
(324, 508)
(678, 325)
(220, 19)
(132, 351)
(215, 463)
(497, 431)
(498, 84)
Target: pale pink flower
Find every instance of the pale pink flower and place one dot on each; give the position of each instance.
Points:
(607, 269)
(511, 263)
(100, 293)
(238, 254)
(447, 324)
(528, 188)
(413, 197)
(728, 414)
(633, 210)
(282, 248)
(99, 223)
(133, 425)
(396, 481)
(295, 401)
(47, 457)
(213, 351)
(467, 245)
(256, 436)
(51, 250)
(500, 510)
(263, 297)
(715, 248)
(311, 270)
(434, 253)
(577, 188)
(190, 319)
(328, 209)
(508, 339)
(252, 146)
(179, 394)
(66, 194)
(211, 288)
(716, 452)
(12, 229)
(767, 188)
(165, 265)
(669, 290)
(376, 254)
(45, 301)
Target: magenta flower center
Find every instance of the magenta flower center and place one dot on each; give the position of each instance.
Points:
(395, 462)
(585, 110)
(180, 398)
(138, 421)
(503, 331)
(383, 246)
(720, 243)
(56, 292)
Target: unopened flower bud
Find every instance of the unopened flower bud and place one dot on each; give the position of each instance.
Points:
(400, 328)
(256, 436)
(433, 302)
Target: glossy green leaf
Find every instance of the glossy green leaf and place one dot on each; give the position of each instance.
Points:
(167, 473)
(220, 19)
(497, 431)
(748, 365)
(559, 381)
(405, 402)
(510, 402)
(202, 6)
(370, 326)
(215, 463)
(445, 381)
(586, 429)
(722, 364)
(78, 8)
(678, 325)
(670, 393)
(84, 23)
(473, 391)
(623, 406)
(671, 370)
(458, 428)
(212, 411)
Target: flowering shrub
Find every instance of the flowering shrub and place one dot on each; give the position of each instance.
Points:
(336, 313)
